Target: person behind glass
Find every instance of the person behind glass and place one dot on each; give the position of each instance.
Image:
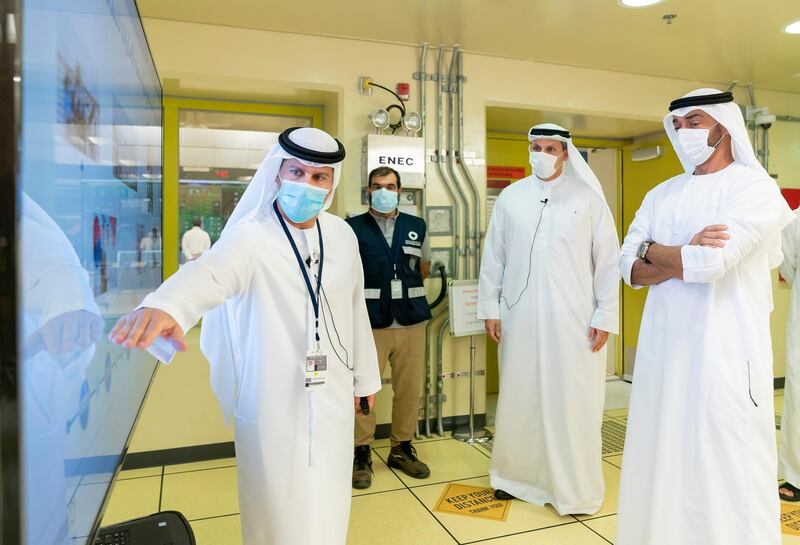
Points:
(195, 241)
(396, 257)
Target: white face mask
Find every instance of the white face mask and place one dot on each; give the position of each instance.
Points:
(692, 146)
(543, 164)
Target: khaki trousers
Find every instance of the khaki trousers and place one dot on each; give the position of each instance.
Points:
(404, 349)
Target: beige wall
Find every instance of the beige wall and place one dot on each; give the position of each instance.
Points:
(232, 61)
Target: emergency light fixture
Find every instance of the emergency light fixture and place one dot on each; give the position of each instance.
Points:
(380, 120)
(792, 28)
(412, 123)
(638, 3)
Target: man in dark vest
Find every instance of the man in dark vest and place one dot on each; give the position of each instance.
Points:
(395, 254)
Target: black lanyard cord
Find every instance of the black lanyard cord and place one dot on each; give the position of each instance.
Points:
(335, 330)
(314, 296)
(530, 260)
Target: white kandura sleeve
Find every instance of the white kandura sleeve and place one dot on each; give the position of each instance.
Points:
(366, 373)
(493, 265)
(605, 255)
(639, 231)
(790, 238)
(201, 285)
(754, 216)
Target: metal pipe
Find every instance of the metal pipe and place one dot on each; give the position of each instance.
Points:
(451, 156)
(429, 399)
(428, 387)
(471, 436)
(475, 234)
(423, 80)
(456, 219)
(438, 161)
(751, 94)
(472, 387)
(451, 101)
(439, 371)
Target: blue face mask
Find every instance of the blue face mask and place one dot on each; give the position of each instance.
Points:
(384, 200)
(301, 201)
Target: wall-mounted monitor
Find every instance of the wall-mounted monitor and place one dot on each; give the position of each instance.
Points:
(88, 198)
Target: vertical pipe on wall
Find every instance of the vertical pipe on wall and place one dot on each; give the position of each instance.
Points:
(456, 272)
(438, 160)
(439, 373)
(462, 197)
(475, 234)
(423, 80)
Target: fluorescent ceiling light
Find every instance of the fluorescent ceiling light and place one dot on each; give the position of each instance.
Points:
(792, 28)
(638, 3)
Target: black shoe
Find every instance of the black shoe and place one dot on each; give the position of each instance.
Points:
(362, 467)
(404, 458)
(503, 495)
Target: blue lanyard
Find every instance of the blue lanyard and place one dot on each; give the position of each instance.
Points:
(300, 263)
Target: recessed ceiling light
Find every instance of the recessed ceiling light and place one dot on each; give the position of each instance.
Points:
(638, 3)
(792, 28)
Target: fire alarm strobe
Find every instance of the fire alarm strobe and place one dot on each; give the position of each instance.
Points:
(403, 90)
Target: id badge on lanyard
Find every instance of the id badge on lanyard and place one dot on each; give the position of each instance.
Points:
(396, 288)
(316, 371)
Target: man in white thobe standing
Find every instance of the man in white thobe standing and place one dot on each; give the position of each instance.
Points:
(288, 338)
(699, 465)
(549, 292)
(195, 241)
(789, 452)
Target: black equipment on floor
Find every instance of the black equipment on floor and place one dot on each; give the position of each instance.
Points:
(165, 528)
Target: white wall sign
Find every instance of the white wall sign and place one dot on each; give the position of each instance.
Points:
(464, 308)
(405, 154)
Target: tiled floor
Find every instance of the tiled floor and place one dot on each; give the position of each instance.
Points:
(396, 510)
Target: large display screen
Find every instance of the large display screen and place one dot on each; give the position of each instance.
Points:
(90, 249)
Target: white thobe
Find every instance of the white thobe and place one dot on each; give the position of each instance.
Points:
(789, 452)
(548, 445)
(699, 465)
(195, 241)
(294, 450)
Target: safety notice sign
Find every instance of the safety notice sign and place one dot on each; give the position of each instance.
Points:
(472, 501)
(790, 519)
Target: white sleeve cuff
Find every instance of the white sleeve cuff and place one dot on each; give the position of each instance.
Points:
(605, 321)
(701, 263)
(488, 310)
(152, 300)
(367, 389)
(626, 269)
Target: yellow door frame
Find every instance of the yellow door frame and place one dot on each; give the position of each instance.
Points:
(172, 107)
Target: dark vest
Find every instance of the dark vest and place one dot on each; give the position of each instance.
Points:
(381, 262)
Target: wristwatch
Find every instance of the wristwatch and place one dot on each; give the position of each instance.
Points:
(643, 247)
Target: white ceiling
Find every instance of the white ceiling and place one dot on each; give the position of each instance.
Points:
(711, 40)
